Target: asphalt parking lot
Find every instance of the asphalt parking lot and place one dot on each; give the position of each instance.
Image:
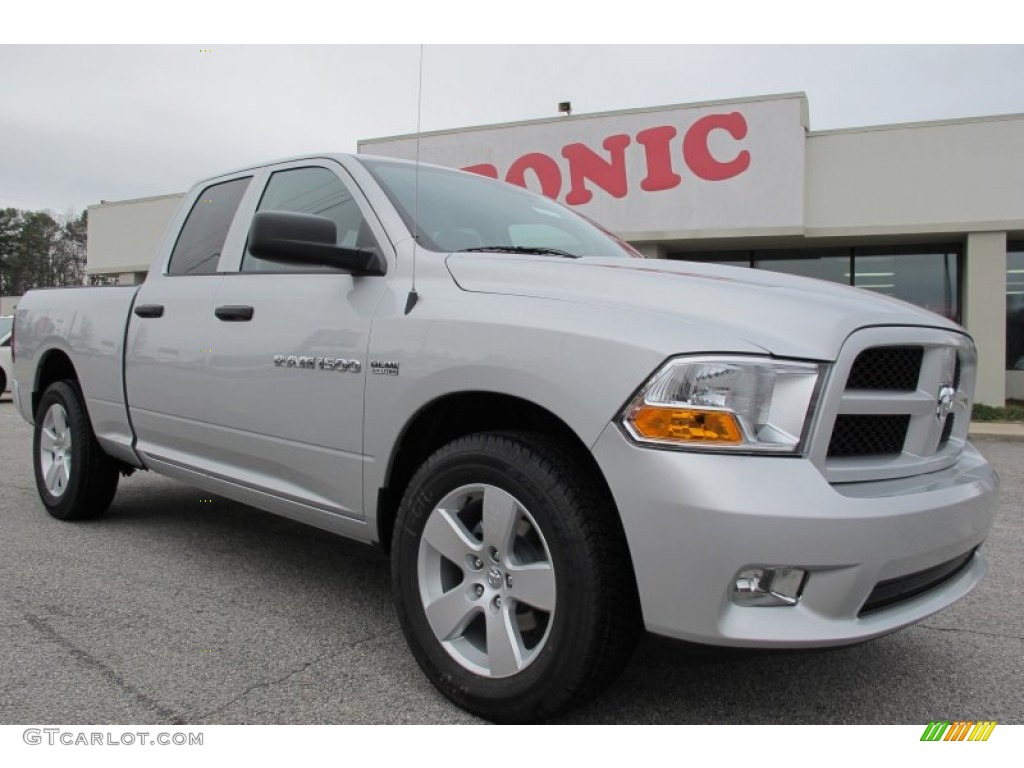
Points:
(179, 607)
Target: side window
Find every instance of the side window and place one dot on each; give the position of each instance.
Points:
(206, 229)
(317, 191)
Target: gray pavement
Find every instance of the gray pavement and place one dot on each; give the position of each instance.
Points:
(181, 607)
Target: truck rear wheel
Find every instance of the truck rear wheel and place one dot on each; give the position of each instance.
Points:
(512, 579)
(76, 480)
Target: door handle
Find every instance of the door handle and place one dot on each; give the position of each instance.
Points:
(234, 313)
(149, 310)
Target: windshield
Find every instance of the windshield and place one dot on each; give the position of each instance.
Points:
(462, 211)
(5, 325)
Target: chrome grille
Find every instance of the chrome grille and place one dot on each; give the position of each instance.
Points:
(888, 408)
(947, 429)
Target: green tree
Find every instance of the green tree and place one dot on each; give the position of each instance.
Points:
(68, 254)
(10, 230)
(35, 250)
(40, 251)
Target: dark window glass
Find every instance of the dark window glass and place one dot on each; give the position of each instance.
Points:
(725, 258)
(1015, 306)
(825, 264)
(923, 275)
(206, 229)
(319, 192)
(926, 275)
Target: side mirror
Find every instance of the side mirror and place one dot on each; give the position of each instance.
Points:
(301, 238)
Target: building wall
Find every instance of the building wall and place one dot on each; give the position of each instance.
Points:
(8, 304)
(985, 312)
(952, 176)
(124, 236)
(710, 169)
(958, 178)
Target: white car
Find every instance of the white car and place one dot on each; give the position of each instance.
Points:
(5, 353)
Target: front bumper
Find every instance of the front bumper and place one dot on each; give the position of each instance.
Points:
(694, 520)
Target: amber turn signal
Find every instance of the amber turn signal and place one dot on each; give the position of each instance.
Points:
(685, 425)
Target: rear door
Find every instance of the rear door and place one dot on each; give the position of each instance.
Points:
(167, 370)
(287, 367)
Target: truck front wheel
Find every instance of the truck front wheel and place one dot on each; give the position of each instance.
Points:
(512, 579)
(75, 478)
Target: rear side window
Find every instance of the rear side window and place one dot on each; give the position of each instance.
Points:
(206, 228)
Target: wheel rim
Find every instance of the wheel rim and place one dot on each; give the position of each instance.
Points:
(55, 450)
(486, 580)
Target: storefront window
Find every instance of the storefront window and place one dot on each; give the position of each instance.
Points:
(1015, 306)
(725, 258)
(926, 275)
(832, 264)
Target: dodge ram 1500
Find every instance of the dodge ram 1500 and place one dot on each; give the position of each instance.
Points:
(560, 443)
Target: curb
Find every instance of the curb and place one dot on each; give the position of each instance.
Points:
(999, 430)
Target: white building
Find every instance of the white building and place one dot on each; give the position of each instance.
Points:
(124, 235)
(929, 212)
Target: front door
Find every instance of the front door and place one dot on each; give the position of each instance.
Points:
(288, 356)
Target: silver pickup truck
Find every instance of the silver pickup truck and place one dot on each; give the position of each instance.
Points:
(559, 442)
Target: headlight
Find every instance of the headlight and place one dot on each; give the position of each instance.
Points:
(741, 404)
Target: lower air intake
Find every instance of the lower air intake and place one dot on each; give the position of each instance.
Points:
(894, 591)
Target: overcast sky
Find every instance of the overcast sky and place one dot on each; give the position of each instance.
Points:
(83, 123)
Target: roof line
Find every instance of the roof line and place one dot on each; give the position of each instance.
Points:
(921, 124)
(588, 115)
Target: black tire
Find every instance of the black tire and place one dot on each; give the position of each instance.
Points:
(91, 475)
(563, 519)
(3, 383)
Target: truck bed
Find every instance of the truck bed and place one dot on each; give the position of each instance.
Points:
(88, 326)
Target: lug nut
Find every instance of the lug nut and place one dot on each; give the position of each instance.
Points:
(479, 590)
(494, 554)
(478, 563)
(508, 580)
(497, 602)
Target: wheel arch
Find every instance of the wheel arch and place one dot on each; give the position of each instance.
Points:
(54, 365)
(455, 415)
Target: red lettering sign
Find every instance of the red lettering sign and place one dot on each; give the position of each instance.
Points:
(659, 158)
(484, 169)
(544, 168)
(609, 173)
(697, 155)
(584, 163)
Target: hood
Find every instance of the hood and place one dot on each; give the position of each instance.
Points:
(784, 315)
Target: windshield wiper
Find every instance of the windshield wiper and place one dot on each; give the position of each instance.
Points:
(519, 249)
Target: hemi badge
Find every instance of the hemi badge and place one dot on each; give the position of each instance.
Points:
(386, 367)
